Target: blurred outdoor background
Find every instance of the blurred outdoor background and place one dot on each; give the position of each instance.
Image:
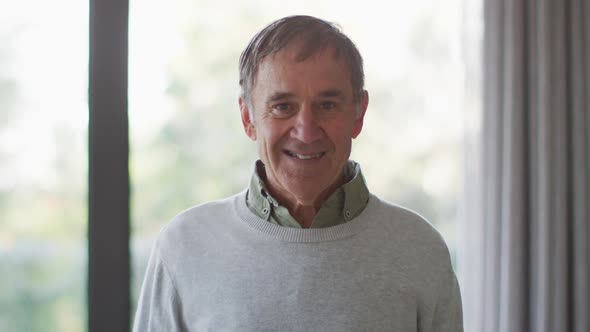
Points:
(187, 146)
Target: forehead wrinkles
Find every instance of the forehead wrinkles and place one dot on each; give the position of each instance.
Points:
(293, 54)
(277, 77)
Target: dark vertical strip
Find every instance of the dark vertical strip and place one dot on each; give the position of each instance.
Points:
(526, 180)
(570, 32)
(492, 144)
(582, 215)
(108, 230)
(562, 152)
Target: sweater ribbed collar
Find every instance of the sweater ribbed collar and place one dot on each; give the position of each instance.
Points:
(290, 234)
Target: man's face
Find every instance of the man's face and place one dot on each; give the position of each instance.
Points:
(303, 120)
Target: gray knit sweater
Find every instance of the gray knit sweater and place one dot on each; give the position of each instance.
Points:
(218, 267)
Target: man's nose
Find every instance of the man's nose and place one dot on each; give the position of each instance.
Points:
(307, 128)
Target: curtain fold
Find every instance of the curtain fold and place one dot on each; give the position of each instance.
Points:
(532, 222)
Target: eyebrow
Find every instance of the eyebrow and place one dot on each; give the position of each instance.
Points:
(287, 95)
(279, 96)
(332, 93)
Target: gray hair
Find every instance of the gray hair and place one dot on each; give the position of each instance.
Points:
(315, 34)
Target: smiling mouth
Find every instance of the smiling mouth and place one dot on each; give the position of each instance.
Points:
(304, 156)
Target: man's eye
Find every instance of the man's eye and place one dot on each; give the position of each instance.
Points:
(327, 105)
(282, 109)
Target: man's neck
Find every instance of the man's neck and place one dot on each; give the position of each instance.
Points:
(304, 214)
(304, 210)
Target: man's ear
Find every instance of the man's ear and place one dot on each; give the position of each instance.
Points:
(247, 122)
(357, 127)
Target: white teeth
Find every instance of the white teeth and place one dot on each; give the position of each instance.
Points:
(305, 157)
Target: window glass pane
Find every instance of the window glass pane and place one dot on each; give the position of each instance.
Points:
(188, 146)
(43, 120)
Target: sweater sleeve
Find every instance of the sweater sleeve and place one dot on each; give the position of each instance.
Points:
(448, 313)
(158, 308)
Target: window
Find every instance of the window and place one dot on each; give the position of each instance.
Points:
(43, 165)
(187, 144)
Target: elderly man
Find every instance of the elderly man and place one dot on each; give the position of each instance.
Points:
(306, 247)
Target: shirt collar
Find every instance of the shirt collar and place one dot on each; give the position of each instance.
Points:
(344, 204)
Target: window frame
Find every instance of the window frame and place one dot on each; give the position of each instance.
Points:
(109, 299)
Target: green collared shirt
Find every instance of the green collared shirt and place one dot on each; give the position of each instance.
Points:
(345, 203)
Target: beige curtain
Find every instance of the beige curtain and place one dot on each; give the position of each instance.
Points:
(528, 230)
